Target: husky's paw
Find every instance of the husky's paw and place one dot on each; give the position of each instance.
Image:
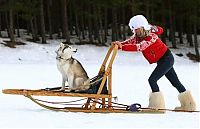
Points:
(59, 90)
(72, 90)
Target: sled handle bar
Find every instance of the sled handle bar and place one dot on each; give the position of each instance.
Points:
(107, 71)
(113, 48)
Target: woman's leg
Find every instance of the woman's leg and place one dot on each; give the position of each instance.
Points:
(173, 78)
(159, 71)
(163, 66)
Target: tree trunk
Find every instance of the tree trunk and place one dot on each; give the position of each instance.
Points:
(28, 28)
(34, 34)
(49, 4)
(96, 24)
(180, 31)
(101, 34)
(152, 15)
(71, 14)
(114, 24)
(147, 3)
(18, 27)
(42, 22)
(105, 23)
(7, 23)
(171, 22)
(163, 9)
(65, 30)
(82, 26)
(77, 27)
(35, 27)
(0, 25)
(189, 33)
(90, 24)
(196, 46)
(11, 26)
(123, 23)
(119, 30)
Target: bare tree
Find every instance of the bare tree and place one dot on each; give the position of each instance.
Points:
(49, 5)
(42, 24)
(11, 25)
(34, 29)
(171, 23)
(114, 24)
(65, 30)
(0, 25)
(196, 46)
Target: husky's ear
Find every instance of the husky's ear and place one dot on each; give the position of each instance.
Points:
(62, 44)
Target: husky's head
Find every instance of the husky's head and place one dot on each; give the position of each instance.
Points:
(65, 51)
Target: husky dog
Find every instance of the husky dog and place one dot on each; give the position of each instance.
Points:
(71, 69)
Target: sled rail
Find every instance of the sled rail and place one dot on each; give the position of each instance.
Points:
(27, 92)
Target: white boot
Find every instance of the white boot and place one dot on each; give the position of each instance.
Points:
(156, 101)
(187, 101)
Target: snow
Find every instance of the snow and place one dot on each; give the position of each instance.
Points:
(33, 66)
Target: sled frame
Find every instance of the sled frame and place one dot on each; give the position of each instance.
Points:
(89, 106)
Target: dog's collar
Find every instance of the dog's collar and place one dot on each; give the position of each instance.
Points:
(63, 58)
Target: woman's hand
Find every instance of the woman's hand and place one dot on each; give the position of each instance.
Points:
(117, 43)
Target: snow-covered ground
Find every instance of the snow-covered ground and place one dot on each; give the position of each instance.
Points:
(33, 66)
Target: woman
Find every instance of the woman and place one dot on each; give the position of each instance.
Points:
(145, 39)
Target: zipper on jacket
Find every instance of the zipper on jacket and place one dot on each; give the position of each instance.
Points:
(153, 53)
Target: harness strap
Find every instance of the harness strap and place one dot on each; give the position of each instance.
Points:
(173, 110)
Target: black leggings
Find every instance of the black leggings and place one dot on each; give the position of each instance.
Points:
(165, 67)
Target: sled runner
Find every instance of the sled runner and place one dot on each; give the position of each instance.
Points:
(97, 99)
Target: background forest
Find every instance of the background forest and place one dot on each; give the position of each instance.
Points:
(98, 21)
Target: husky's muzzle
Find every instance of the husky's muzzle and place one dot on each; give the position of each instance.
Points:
(75, 50)
(58, 57)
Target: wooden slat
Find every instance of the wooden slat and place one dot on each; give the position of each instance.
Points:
(110, 88)
(111, 111)
(26, 92)
(103, 66)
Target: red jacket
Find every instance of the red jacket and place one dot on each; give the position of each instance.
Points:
(151, 46)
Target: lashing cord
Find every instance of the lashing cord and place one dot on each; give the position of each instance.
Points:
(133, 107)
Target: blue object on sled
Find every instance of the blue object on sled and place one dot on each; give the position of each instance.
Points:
(134, 107)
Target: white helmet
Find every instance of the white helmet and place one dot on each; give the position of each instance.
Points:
(139, 21)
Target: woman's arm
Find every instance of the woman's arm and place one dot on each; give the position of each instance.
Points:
(131, 40)
(128, 42)
(141, 46)
(129, 47)
(137, 47)
(156, 30)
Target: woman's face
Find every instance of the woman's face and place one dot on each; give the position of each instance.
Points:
(139, 32)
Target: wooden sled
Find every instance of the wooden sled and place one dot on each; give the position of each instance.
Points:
(92, 100)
